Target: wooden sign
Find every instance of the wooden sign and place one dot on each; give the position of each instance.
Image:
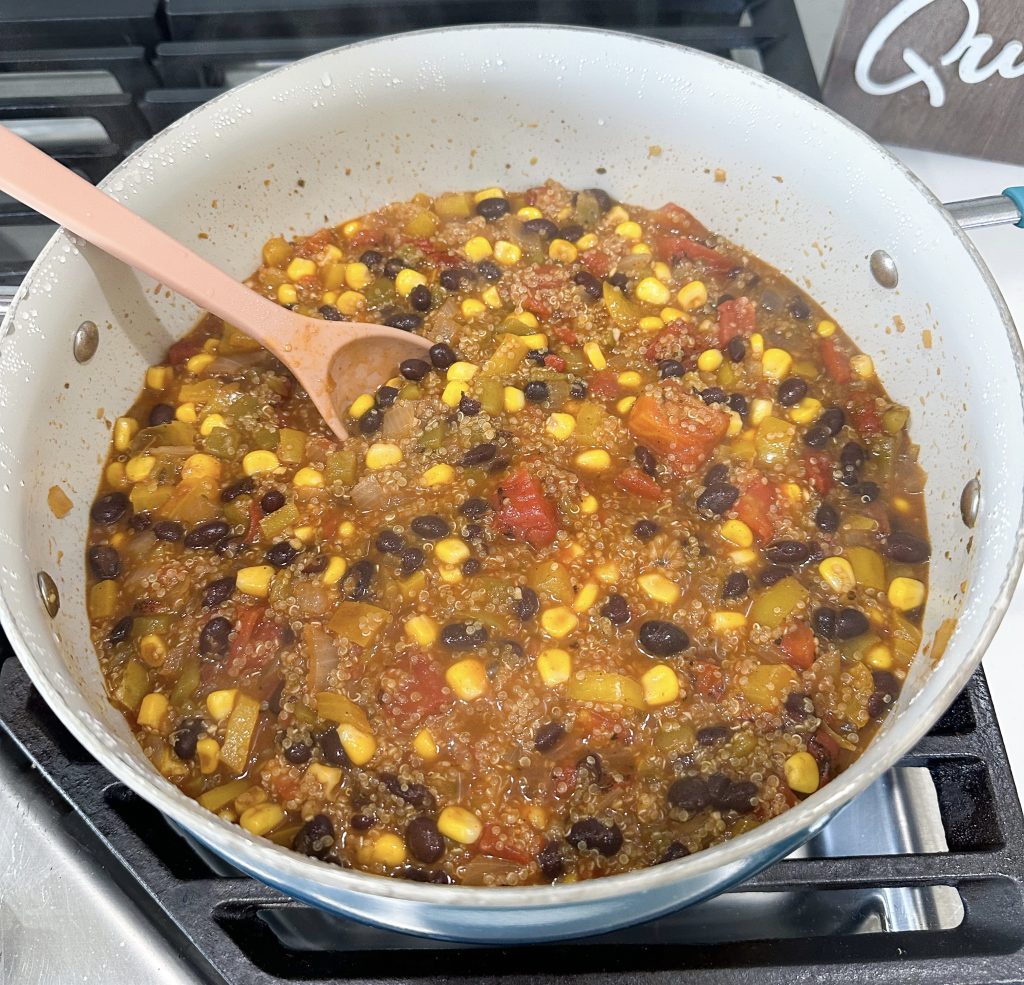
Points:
(945, 75)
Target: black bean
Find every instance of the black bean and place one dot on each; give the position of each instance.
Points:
(644, 529)
(798, 706)
(386, 396)
(603, 199)
(544, 228)
(430, 526)
(218, 592)
(271, 501)
(738, 403)
(616, 610)
(674, 851)
(330, 313)
(110, 508)
(461, 636)
(662, 639)
(492, 208)
(393, 266)
(318, 564)
(472, 566)
(374, 259)
(414, 369)
(645, 459)
(120, 630)
(866, 492)
(474, 507)
(799, 309)
(169, 530)
(425, 842)
(207, 533)
(160, 414)
(787, 552)
(578, 390)
(717, 473)
(791, 391)
(331, 750)
(906, 548)
(887, 690)
(229, 547)
(736, 349)
(590, 284)
(410, 561)
(689, 793)
(772, 574)
(186, 737)
(852, 456)
(489, 270)
(717, 498)
(434, 876)
(419, 796)
(240, 487)
(140, 521)
(571, 233)
(591, 833)
(371, 421)
(823, 622)
(469, 406)
(281, 554)
(851, 623)
(389, 542)
(833, 420)
(315, 838)
(619, 280)
(298, 752)
(442, 355)
(536, 391)
(714, 395)
(215, 636)
(816, 436)
(362, 822)
(526, 606)
(731, 795)
(826, 518)
(104, 561)
(358, 578)
(479, 454)
(420, 298)
(712, 735)
(551, 860)
(736, 585)
(669, 368)
(406, 321)
(548, 736)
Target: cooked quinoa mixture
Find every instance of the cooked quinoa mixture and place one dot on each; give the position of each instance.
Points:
(635, 561)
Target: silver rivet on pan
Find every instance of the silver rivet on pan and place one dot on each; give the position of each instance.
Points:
(86, 341)
(970, 501)
(883, 269)
(48, 593)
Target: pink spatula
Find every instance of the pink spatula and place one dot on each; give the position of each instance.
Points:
(333, 361)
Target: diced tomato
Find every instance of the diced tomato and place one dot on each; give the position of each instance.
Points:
(557, 363)
(436, 255)
(677, 340)
(819, 472)
(497, 842)
(605, 383)
(252, 534)
(248, 619)
(523, 511)
(671, 248)
(285, 786)
(597, 262)
(315, 244)
(564, 780)
(707, 678)
(825, 751)
(754, 509)
(604, 726)
(536, 305)
(799, 646)
(736, 317)
(836, 364)
(366, 237)
(183, 350)
(679, 426)
(564, 334)
(672, 218)
(865, 418)
(636, 482)
(420, 690)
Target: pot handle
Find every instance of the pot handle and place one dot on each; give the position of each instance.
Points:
(996, 210)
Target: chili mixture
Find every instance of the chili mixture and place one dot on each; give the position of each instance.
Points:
(635, 561)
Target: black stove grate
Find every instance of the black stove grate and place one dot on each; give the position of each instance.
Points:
(135, 66)
(932, 914)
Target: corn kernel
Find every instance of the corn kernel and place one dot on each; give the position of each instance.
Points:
(735, 425)
(588, 505)
(200, 466)
(388, 849)
(528, 212)
(586, 242)
(453, 392)
(631, 380)
(308, 478)
(560, 426)
(471, 307)
(139, 468)
(211, 345)
(640, 249)
(757, 344)
(559, 621)
(563, 251)
(727, 622)
(709, 360)
(115, 476)
(287, 294)
(736, 532)
(793, 491)
(661, 685)
(651, 290)
(359, 746)
(437, 475)
(186, 413)
(528, 318)
(153, 711)
(382, 455)
(594, 355)
(491, 297)
(422, 629)
(451, 574)
(572, 551)
(358, 276)
(300, 267)
(863, 366)
(536, 341)
(651, 323)
(350, 303)
(407, 280)
(486, 193)
(425, 745)
(330, 253)
(210, 423)
(776, 364)
(625, 405)
(629, 230)
(478, 249)
(460, 825)
(807, 411)
(906, 593)
(346, 529)
(826, 328)
(879, 657)
(209, 755)
(462, 371)
(351, 228)
(662, 270)
(329, 297)
(335, 571)
(692, 296)
(585, 597)
(593, 460)
(451, 550)
(259, 461)
(255, 580)
(153, 650)
(199, 362)
(670, 315)
(659, 588)
(506, 253)
(608, 573)
(554, 666)
(838, 574)
(513, 399)
(760, 408)
(261, 819)
(327, 776)
(306, 534)
(467, 678)
(125, 428)
(801, 771)
(617, 214)
(743, 558)
(159, 377)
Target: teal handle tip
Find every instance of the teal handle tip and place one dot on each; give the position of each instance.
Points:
(1015, 194)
